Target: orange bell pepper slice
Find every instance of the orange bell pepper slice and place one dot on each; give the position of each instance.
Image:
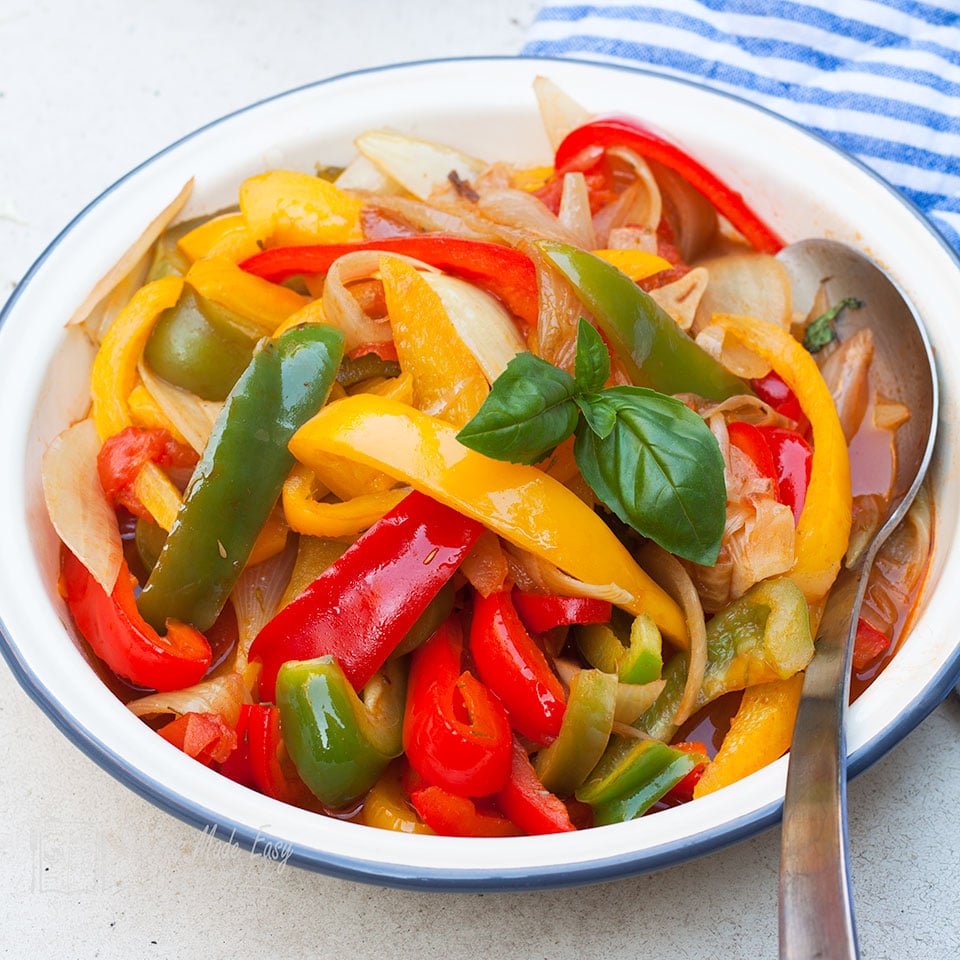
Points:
(447, 380)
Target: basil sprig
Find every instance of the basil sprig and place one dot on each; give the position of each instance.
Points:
(647, 456)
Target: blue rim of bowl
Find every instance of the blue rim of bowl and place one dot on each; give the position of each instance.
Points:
(428, 878)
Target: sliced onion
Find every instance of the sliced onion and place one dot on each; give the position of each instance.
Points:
(362, 174)
(527, 569)
(421, 166)
(574, 211)
(523, 212)
(635, 699)
(560, 312)
(486, 328)
(77, 505)
(193, 417)
(888, 414)
(846, 373)
(256, 598)
(128, 273)
(485, 566)
(640, 204)
(681, 298)
(224, 695)
(670, 573)
(422, 217)
(746, 284)
(692, 216)
(340, 307)
(559, 112)
(728, 351)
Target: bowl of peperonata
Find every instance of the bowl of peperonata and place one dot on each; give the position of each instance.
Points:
(433, 472)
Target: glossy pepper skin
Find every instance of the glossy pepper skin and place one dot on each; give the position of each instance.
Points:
(515, 669)
(607, 132)
(240, 475)
(655, 352)
(505, 272)
(364, 603)
(339, 743)
(119, 636)
(455, 731)
(759, 637)
(200, 346)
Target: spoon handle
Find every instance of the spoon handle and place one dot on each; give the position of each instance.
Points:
(816, 904)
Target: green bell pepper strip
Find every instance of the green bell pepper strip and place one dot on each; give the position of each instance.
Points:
(640, 661)
(762, 636)
(340, 743)
(240, 475)
(200, 346)
(655, 352)
(632, 776)
(584, 733)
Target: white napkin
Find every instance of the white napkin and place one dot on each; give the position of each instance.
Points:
(878, 78)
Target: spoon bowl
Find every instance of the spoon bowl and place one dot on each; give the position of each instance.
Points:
(816, 905)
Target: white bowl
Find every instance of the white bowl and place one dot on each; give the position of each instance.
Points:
(799, 183)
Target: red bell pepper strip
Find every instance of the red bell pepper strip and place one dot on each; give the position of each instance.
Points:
(122, 455)
(792, 458)
(747, 438)
(515, 669)
(206, 737)
(683, 791)
(455, 731)
(773, 390)
(868, 644)
(130, 647)
(505, 272)
(451, 815)
(541, 612)
(625, 132)
(528, 804)
(362, 605)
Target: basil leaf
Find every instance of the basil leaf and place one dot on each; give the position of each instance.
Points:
(821, 331)
(529, 410)
(659, 470)
(600, 414)
(592, 363)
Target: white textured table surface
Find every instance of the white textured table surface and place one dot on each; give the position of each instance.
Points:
(87, 868)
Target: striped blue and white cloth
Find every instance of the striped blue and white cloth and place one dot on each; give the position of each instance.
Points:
(879, 78)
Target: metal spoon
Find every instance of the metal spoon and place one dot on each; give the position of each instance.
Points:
(816, 904)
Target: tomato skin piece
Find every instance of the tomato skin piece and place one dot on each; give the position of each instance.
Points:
(747, 438)
(456, 734)
(206, 737)
(868, 644)
(515, 669)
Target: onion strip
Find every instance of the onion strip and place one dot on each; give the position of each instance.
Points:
(667, 571)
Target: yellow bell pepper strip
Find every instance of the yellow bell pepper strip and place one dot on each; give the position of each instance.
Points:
(388, 807)
(447, 380)
(114, 376)
(759, 637)
(310, 516)
(759, 733)
(524, 505)
(265, 304)
(284, 207)
(632, 776)
(340, 743)
(240, 475)
(227, 236)
(114, 372)
(146, 412)
(823, 529)
(584, 733)
(636, 264)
